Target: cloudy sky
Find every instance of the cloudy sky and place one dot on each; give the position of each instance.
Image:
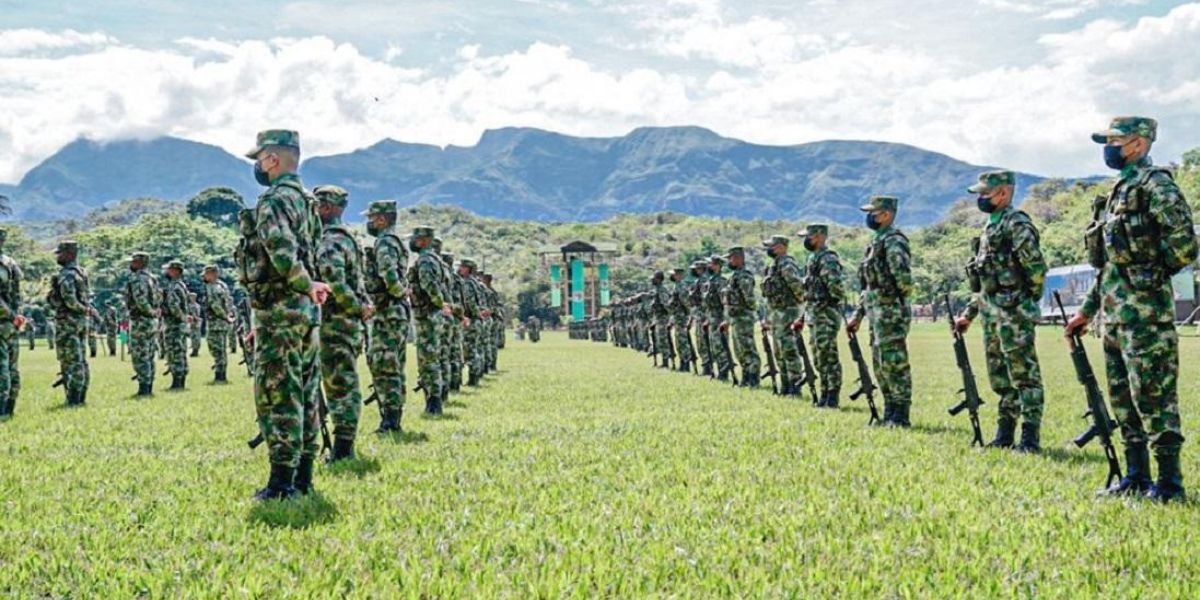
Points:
(1018, 83)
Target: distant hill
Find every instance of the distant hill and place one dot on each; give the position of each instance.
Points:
(530, 174)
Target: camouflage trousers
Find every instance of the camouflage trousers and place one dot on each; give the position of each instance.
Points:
(457, 352)
(445, 349)
(10, 377)
(704, 355)
(110, 338)
(218, 335)
(142, 344)
(489, 344)
(741, 333)
(429, 353)
(51, 336)
(30, 333)
(1012, 361)
(500, 335)
(93, 346)
(889, 351)
(1142, 364)
(638, 339)
(472, 350)
(232, 339)
(285, 385)
(177, 335)
(791, 368)
(195, 331)
(71, 350)
(662, 338)
(722, 361)
(387, 358)
(683, 340)
(823, 325)
(341, 339)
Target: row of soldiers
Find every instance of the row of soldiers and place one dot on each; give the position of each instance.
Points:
(1141, 235)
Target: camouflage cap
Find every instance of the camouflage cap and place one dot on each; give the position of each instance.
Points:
(447, 258)
(139, 255)
(657, 275)
(274, 137)
(436, 243)
(775, 240)
(468, 263)
(380, 207)
(174, 264)
(212, 269)
(716, 258)
(421, 231)
(993, 179)
(880, 203)
(331, 194)
(1122, 126)
(735, 251)
(698, 264)
(67, 246)
(679, 270)
(813, 229)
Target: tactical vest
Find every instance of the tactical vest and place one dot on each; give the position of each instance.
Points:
(658, 307)
(714, 290)
(999, 270)
(55, 298)
(422, 303)
(152, 288)
(816, 289)
(775, 289)
(250, 259)
(874, 271)
(1123, 232)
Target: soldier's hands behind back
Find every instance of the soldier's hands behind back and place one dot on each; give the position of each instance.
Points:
(318, 291)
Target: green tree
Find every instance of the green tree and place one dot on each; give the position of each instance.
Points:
(219, 205)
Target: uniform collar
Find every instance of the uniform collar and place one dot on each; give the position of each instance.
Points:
(999, 215)
(882, 231)
(1131, 171)
(285, 177)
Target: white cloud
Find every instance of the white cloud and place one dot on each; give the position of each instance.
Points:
(15, 42)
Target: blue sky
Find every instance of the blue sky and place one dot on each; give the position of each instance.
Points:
(1003, 82)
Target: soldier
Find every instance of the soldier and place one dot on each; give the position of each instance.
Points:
(1141, 236)
(660, 315)
(389, 328)
(176, 316)
(534, 326)
(680, 309)
(30, 329)
(68, 298)
(11, 321)
(493, 323)
(51, 330)
(111, 324)
(886, 280)
(457, 300)
(823, 295)
(142, 301)
(93, 327)
(472, 320)
(742, 310)
(445, 324)
(784, 291)
(195, 321)
(714, 312)
(286, 297)
(217, 301)
(342, 318)
(1006, 277)
(428, 302)
(696, 301)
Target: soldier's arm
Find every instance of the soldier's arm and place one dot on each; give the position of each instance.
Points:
(389, 260)
(899, 260)
(1174, 216)
(15, 294)
(747, 288)
(280, 242)
(831, 273)
(1029, 255)
(142, 299)
(177, 304)
(334, 268)
(1091, 303)
(70, 296)
(216, 302)
(971, 310)
(428, 277)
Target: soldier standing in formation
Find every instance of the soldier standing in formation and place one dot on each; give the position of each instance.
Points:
(1006, 276)
(660, 313)
(142, 302)
(741, 306)
(176, 315)
(445, 322)
(1141, 235)
(93, 327)
(680, 309)
(475, 312)
(784, 294)
(534, 326)
(68, 298)
(388, 283)
(823, 294)
(698, 318)
(11, 321)
(51, 329)
(195, 320)
(217, 303)
(714, 313)
(429, 307)
(457, 326)
(886, 280)
(111, 324)
(343, 316)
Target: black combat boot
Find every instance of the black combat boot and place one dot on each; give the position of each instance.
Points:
(304, 476)
(196, 351)
(176, 383)
(388, 425)
(708, 370)
(1031, 439)
(342, 449)
(889, 413)
(279, 486)
(822, 400)
(143, 390)
(1005, 429)
(1136, 481)
(831, 398)
(900, 416)
(219, 376)
(83, 396)
(1169, 486)
(723, 375)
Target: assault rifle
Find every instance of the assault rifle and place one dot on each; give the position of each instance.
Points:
(866, 386)
(970, 392)
(772, 369)
(810, 375)
(653, 342)
(1102, 424)
(674, 349)
(712, 371)
(692, 344)
(724, 335)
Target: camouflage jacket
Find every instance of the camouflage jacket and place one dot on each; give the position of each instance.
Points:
(289, 229)
(738, 295)
(10, 291)
(1148, 237)
(714, 290)
(783, 287)
(660, 301)
(1009, 265)
(142, 296)
(428, 284)
(391, 269)
(68, 296)
(681, 302)
(341, 267)
(823, 281)
(217, 302)
(177, 307)
(885, 272)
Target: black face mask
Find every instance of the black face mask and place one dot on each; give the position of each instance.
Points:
(872, 223)
(985, 204)
(260, 175)
(810, 246)
(1113, 157)
(412, 245)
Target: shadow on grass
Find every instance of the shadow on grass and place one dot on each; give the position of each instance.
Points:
(442, 417)
(405, 437)
(64, 406)
(940, 429)
(300, 512)
(354, 467)
(457, 404)
(1069, 455)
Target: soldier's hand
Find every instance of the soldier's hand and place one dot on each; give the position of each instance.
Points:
(724, 326)
(1077, 325)
(962, 324)
(798, 325)
(447, 311)
(764, 327)
(852, 325)
(19, 321)
(318, 291)
(466, 322)
(368, 311)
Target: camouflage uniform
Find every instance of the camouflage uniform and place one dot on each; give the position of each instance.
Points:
(696, 301)
(428, 296)
(742, 308)
(472, 311)
(111, 324)
(51, 331)
(93, 329)
(176, 316)
(886, 280)
(196, 322)
(68, 298)
(10, 341)
(457, 334)
(823, 295)
(680, 309)
(783, 289)
(1007, 274)
(1142, 235)
(217, 302)
(534, 326)
(445, 324)
(142, 301)
(388, 284)
(341, 267)
(660, 314)
(286, 321)
(714, 314)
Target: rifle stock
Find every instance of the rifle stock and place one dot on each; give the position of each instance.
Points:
(810, 377)
(866, 385)
(970, 391)
(772, 368)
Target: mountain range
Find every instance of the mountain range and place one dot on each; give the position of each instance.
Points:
(531, 174)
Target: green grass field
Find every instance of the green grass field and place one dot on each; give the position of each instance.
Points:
(580, 471)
